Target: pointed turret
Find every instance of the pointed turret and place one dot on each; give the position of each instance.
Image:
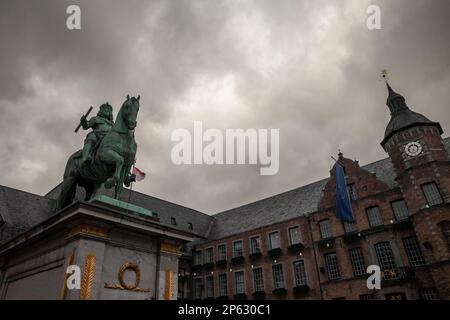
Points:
(402, 117)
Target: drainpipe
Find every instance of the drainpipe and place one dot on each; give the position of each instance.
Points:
(315, 258)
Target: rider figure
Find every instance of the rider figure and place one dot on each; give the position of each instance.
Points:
(100, 125)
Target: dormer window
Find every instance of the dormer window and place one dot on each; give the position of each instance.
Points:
(173, 221)
(190, 226)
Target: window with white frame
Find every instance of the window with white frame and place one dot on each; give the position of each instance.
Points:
(358, 263)
(238, 250)
(368, 296)
(258, 279)
(209, 287)
(332, 266)
(294, 235)
(223, 285)
(198, 288)
(300, 273)
(255, 244)
(274, 240)
(374, 216)
(278, 276)
(209, 255)
(350, 227)
(386, 260)
(325, 228)
(429, 294)
(400, 210)
(221, 252)
(432, 194)
(239, 284)
(197, 257)
(414, 252)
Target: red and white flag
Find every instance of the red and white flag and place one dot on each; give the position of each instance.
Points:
(139, 174)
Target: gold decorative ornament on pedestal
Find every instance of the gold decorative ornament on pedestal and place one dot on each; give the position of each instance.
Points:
(168, 293)
(88, 277)
(123, 285)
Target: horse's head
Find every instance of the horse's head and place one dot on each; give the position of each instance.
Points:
(129, 112)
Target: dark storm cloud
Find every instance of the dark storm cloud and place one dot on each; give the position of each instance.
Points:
(308, 68)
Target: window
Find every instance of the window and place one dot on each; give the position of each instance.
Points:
(209, 255)
(300, 273)
(445, 228)
(332, 265)
(432, 195)
(198, 288)
(198, 257)
(358, 264)
(367, 297)
(429, 294)
(223, 285)
(351, 188)
(190, 226)
(255, 244)
(413, 251)
(221, 252)
(239, 282)
(238, 250)
(386, 260)
(210, 287)
(349, 227)
(294, 235)
(173, 221)
(278, 277)
(258, 280)
(400, 209)
(396, 296)
(274, 240)
(374, 216)
(325, 228)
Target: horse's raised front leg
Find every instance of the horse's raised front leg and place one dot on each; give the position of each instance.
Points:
(113, 157)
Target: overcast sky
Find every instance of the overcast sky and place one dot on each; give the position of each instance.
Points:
(308, 68)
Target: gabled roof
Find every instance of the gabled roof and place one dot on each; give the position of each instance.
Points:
(288, 205)
(22, 210)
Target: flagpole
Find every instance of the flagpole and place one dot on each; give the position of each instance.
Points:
(131, 186)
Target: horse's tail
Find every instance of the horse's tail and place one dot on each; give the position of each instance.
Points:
(68, 186)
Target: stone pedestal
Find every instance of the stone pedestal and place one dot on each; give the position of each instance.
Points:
(122, 252)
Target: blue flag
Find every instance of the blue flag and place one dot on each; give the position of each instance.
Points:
(343, 205)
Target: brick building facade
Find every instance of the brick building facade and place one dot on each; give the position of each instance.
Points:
(292, 246)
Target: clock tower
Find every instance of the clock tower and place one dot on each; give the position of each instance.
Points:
(422, 168)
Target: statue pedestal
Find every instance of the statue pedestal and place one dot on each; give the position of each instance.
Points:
(122, 206)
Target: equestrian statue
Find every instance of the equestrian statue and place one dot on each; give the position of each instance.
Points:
(108, 154)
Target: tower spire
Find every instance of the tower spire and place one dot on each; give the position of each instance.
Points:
(395, 101)
(401, 116)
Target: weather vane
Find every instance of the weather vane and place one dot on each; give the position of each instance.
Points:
(384, 74)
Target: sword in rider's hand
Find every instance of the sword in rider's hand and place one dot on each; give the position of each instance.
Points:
(85, 116)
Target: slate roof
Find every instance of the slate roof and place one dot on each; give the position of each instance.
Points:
(290, 204)
(20, 211)
(165, 209)
(402, 117)
(406, 118)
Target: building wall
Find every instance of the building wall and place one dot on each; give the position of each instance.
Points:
(405, 279)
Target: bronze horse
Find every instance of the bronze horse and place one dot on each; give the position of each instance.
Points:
(112, 161)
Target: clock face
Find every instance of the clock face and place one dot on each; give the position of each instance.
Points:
(413, 149)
